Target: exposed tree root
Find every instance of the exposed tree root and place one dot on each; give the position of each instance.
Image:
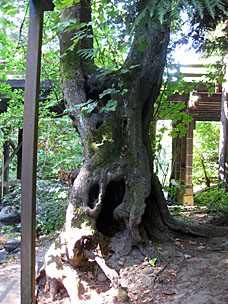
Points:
(197, 230)
(59, 270)
(64, 260)
(103, 199)
(111, 274)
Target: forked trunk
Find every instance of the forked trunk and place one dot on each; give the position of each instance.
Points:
(116, 196)
(113, 187)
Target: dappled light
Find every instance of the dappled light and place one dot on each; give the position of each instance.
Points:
(100, 204)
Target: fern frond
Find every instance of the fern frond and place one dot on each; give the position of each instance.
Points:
(163, 8)
(210, 7)
(139, 19)
(152, 7)
(198, 7)
(88, 53)
(221, 6)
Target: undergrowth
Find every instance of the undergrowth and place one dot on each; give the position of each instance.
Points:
(51, 205)
(214, 199)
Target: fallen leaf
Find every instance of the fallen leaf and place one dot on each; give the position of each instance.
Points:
(168, 292)
(172, 272)
(159, 250)
(153, 261)
(192, 242)
(147, 300)
(147, 291)
(134, 298)
(201, 247)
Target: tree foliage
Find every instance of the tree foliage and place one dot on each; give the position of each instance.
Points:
(115, 55)
(206, 153)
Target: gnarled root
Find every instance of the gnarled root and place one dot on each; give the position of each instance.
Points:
(57, 271)
(111, 274)
(63, 261)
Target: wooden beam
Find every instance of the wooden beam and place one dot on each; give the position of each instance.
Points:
(29, 156)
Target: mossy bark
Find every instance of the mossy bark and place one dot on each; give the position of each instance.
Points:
(116, 194)
(117, 146)
(116, 180)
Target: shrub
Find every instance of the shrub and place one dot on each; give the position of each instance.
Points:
(213, 198)
(50, 207)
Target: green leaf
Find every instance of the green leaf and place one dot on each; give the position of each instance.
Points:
(110, 106)
(63, 4)
(89, 108)
(153, 261)
(108, 92)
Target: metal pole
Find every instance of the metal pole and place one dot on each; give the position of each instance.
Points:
(29, 149)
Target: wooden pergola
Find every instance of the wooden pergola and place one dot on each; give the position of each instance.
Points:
(204, 104)
(19, 84)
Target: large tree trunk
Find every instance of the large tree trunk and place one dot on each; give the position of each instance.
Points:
(116, 188)
(116, 193)
(114, 183)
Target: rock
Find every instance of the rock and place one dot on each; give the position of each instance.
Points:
(148, 270)
(223, 246)
(3, 255)
(11, 245)
(122, 295)
(166, 254)
(101, 277)
(178, 254)
(9, 216)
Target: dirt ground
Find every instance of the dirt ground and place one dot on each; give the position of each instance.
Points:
(192, 271)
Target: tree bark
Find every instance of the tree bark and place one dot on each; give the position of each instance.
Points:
(116, 188)
(117, 147)
(116, 196)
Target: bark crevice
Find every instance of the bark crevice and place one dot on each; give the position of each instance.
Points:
(115, 193)
(105, 223)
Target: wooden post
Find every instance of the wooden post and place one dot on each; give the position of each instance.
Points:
(223, 145)
(179, 163)
(2, 178)
(19, 154)
(5, 180)
(29, 157)
(188, 196)
(183, 160)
